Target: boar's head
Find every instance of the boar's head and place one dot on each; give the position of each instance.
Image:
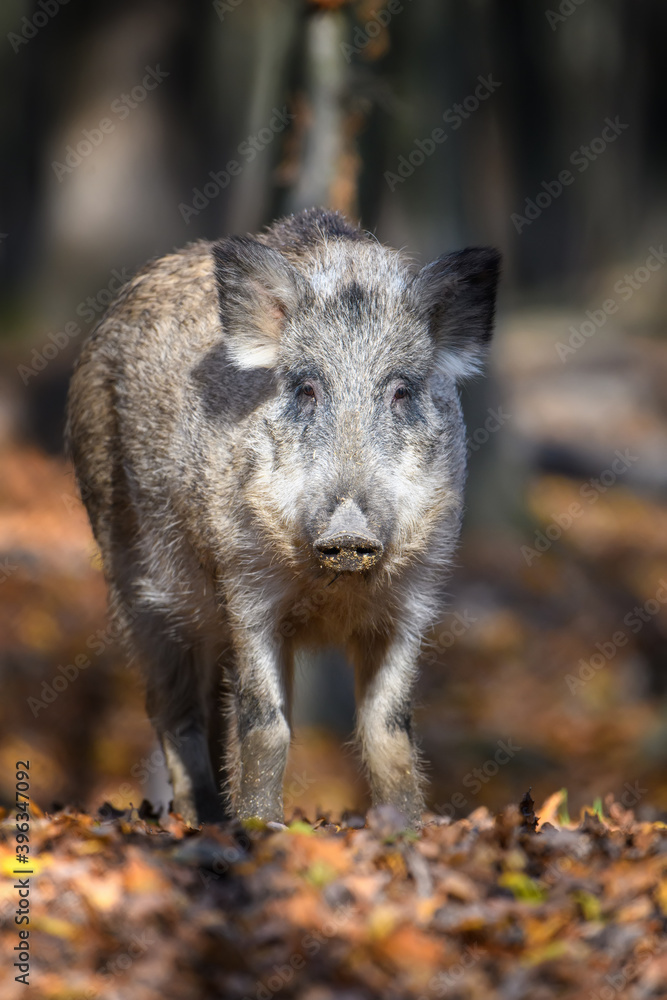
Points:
(359, 455)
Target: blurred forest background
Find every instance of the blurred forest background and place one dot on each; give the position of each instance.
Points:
(131, 128)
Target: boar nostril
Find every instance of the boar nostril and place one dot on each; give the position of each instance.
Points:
(347, 553)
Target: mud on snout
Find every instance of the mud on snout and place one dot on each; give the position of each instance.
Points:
(348, 543)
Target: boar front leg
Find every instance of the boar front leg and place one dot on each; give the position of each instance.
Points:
(261, 713)
(385, 673)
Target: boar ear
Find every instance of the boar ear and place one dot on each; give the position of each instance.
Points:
(457, 293)
(257, 289)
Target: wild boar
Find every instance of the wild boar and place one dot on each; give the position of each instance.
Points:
(268, 439)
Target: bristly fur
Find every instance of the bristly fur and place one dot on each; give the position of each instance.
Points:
(210, 474)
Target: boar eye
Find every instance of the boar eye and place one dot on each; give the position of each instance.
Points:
(308, 390)
(401, 393)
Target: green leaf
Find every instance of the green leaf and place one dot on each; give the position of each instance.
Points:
(320, 874)
(589, 904)
(298, 826)
(563, 814)
(523, 886)
(597, 808)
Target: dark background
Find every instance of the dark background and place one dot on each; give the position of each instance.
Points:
(362, 86)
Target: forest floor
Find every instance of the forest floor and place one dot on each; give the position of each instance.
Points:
(510, 906)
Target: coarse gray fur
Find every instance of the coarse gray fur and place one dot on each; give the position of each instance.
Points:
(267, 436)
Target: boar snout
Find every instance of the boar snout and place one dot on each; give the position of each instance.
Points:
(347, 544)
(348, 553)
